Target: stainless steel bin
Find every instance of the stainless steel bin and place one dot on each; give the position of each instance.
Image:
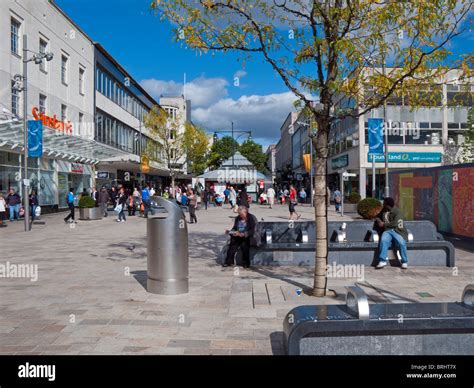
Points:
(167, 245)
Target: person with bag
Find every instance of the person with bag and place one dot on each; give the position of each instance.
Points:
(293, 201)
(243, 234)
(33, 204)
(121, 204)
(70, 203)
(192, 206)
(337, 196)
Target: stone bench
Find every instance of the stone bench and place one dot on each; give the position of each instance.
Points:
(358, 328)
(352, 242)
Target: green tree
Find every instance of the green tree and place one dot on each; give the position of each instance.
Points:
(253, 152)
(170, 141)
(330, 53)
(221, 150)
(196, 143)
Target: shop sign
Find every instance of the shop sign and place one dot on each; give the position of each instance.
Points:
(408, 157)
(77, 168)
(339, 162)
(102, 175)
(52, 122)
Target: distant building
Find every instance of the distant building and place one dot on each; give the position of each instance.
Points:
(271, 160)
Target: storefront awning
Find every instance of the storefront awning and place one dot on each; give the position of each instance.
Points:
(57, 145)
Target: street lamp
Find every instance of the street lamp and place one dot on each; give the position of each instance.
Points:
(21, 85)
(232, 131)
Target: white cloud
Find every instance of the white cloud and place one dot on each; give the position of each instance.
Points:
(201, 91)
(213, 109)
(261, 114)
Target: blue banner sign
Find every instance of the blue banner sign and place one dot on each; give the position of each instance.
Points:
(35, 138)
(376, 143)
(408, 157)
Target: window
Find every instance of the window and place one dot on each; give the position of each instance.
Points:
(64, 61)
(63, 112)
(42, 103)
(43, 47)
(81, 120)
(15, 100)
(81, 80)
(15, 36)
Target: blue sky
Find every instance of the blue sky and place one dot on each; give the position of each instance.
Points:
(143, 45)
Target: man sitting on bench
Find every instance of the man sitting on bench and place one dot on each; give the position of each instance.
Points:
(390, 221)
(243, 234)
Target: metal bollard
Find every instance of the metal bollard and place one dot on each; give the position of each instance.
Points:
(167, 256)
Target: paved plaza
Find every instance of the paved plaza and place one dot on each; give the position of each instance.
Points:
(90, 295)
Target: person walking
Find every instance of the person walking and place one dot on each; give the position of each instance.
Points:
(271, 196)
(146, 201)
(103, 199)
(292, 202)
(3, 208)
(337, 197)
(192, 204)
(136, 200)
(95, 195)
(70, 203)
(302, 195)
(13, 201)
(242, 235)
(232, 197)
(113, 195)
(33, 204)
(122, 202)
(205, 197)
(242, 198)
(390, 221)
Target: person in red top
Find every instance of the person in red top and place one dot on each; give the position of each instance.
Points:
(293, 203)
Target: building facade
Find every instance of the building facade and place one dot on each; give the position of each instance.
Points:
(60, 93)
(120, 108)
(417, 138)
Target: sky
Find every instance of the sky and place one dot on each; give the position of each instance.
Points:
(143, 45)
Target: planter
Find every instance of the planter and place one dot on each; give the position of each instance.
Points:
(92, 213)
(350, 207)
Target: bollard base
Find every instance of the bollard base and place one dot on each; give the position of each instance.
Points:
(167, 287)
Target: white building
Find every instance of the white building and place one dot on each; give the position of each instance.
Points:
(60, 93)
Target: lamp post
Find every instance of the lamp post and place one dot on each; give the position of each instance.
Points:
(37, 58)
(233, 132)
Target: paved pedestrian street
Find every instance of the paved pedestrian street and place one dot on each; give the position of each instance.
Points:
(90, 295)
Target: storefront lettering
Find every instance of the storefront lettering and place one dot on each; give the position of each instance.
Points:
(52, 122)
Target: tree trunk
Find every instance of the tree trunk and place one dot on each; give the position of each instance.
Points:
(320, 142)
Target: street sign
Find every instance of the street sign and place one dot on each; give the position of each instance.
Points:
(348, 174)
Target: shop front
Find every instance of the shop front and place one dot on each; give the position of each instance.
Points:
(67, 162)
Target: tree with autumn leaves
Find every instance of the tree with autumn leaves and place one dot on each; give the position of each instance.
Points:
(340, 58)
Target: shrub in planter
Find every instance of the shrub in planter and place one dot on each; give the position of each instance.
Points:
(86, 202)
(369, 208)
(354, 197)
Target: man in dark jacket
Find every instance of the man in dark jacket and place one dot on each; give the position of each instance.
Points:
(103, 200)
(390, 221)
(13, 201)
(243, 234)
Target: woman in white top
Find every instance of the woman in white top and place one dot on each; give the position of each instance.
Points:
(271, 196)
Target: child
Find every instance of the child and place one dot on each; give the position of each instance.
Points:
(3, 215)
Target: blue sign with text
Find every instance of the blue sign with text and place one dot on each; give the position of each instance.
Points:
(35, 139)
(376, 136)
(409, 157)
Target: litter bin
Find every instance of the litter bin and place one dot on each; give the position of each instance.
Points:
(167, 245)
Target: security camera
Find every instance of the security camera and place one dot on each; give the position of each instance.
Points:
(49, 56)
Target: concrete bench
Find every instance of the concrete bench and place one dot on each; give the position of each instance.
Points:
(358, 328)
(353, 242)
